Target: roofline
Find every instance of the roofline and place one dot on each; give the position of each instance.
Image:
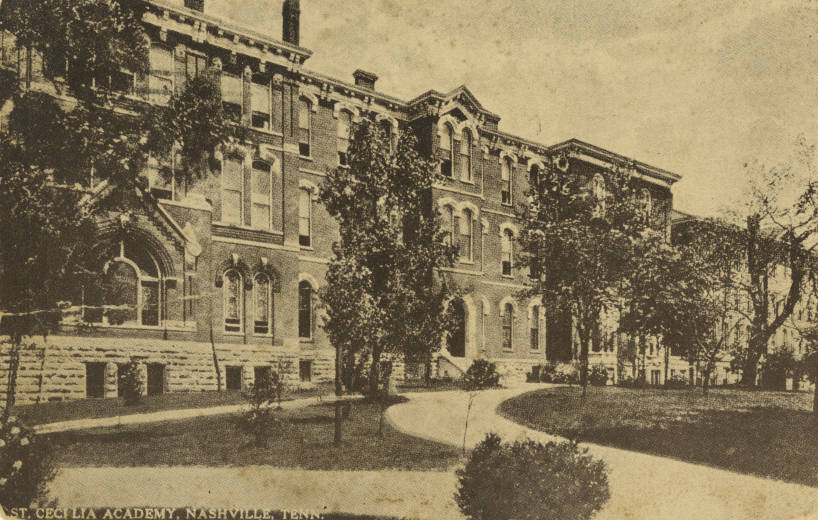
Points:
(231, 27)
(602, 153)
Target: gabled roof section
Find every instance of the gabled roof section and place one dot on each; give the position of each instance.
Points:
(460, 96)
(583, 148)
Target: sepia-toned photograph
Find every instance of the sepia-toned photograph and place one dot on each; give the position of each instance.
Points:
(408, 259)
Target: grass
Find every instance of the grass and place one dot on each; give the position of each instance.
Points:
(771, 434)
(93, 408)
(305, 440)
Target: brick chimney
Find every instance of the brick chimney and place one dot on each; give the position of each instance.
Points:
(291, 14)
(197, 5)
(365, 79)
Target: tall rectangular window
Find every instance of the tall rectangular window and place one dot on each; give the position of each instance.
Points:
(232, 95)
(344, 130)
(160, 81)
(535, 327)
(505, 177)
(261, 195)
(304, 310)
(304, 217)
(466, 235)
(447, 150)
(508, 321)
(261, 105)
(304, 126)
(506, 250)
(195, 65)
(232, 191)
(465, 157)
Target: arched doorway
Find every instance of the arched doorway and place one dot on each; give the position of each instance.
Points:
(456, 342)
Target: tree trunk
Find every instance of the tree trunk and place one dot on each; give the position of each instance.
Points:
(706, 380)
(583, 371)
(815, 401)
(215, 361)
(667, 364)
(11, 388)
(749, 371)
(375, 371)
(338, 392)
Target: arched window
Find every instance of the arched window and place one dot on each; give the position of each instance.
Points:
(535, 327)
(344, 134)
(132, 290)
(305, 217)
(448, 225)
(506, 251)
(233, 301)
(508, 324)
(304, 126)
(262, 195)
(465, 156)
(600, 194)
(262, 306)
(447, 146)
(466, 235)
(506, 170)
(305, 310)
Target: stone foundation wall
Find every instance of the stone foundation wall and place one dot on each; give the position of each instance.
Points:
(55, 370)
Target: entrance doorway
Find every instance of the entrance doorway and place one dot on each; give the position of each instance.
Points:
(457, 339)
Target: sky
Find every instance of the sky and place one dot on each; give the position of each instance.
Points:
(696, 87)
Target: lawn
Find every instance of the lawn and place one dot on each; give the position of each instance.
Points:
(765, 433)
(305, 440)
(92, 408)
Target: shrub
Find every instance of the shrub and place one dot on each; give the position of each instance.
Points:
(676, 381)
(260, 419)
(565, 373)
(529, 480)
(598, 375)
(547, 372)
(130, 384)
(775, 369)
(25, 464)
(481, 374)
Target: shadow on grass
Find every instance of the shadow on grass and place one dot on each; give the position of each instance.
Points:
(770, 441)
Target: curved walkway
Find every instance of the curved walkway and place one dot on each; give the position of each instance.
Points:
(642, 486)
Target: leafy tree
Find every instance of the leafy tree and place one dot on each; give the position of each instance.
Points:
(385, 291)
(779, 227)
(579, 234)
(67, 164)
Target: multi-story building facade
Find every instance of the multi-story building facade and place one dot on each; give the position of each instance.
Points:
(227, 269)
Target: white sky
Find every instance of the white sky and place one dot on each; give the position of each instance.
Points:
(698, 88)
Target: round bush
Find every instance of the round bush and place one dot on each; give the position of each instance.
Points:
(531, 481)
(25, 464)
(482, 374)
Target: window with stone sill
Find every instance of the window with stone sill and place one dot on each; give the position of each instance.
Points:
(304, 127)
(507, 326)
(261, 104)
(262, 306)
(506, 251)
(447, 150)
(233, 302)
(506, 171)
(344, 136)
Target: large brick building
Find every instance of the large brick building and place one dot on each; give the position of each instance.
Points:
(228, 267)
